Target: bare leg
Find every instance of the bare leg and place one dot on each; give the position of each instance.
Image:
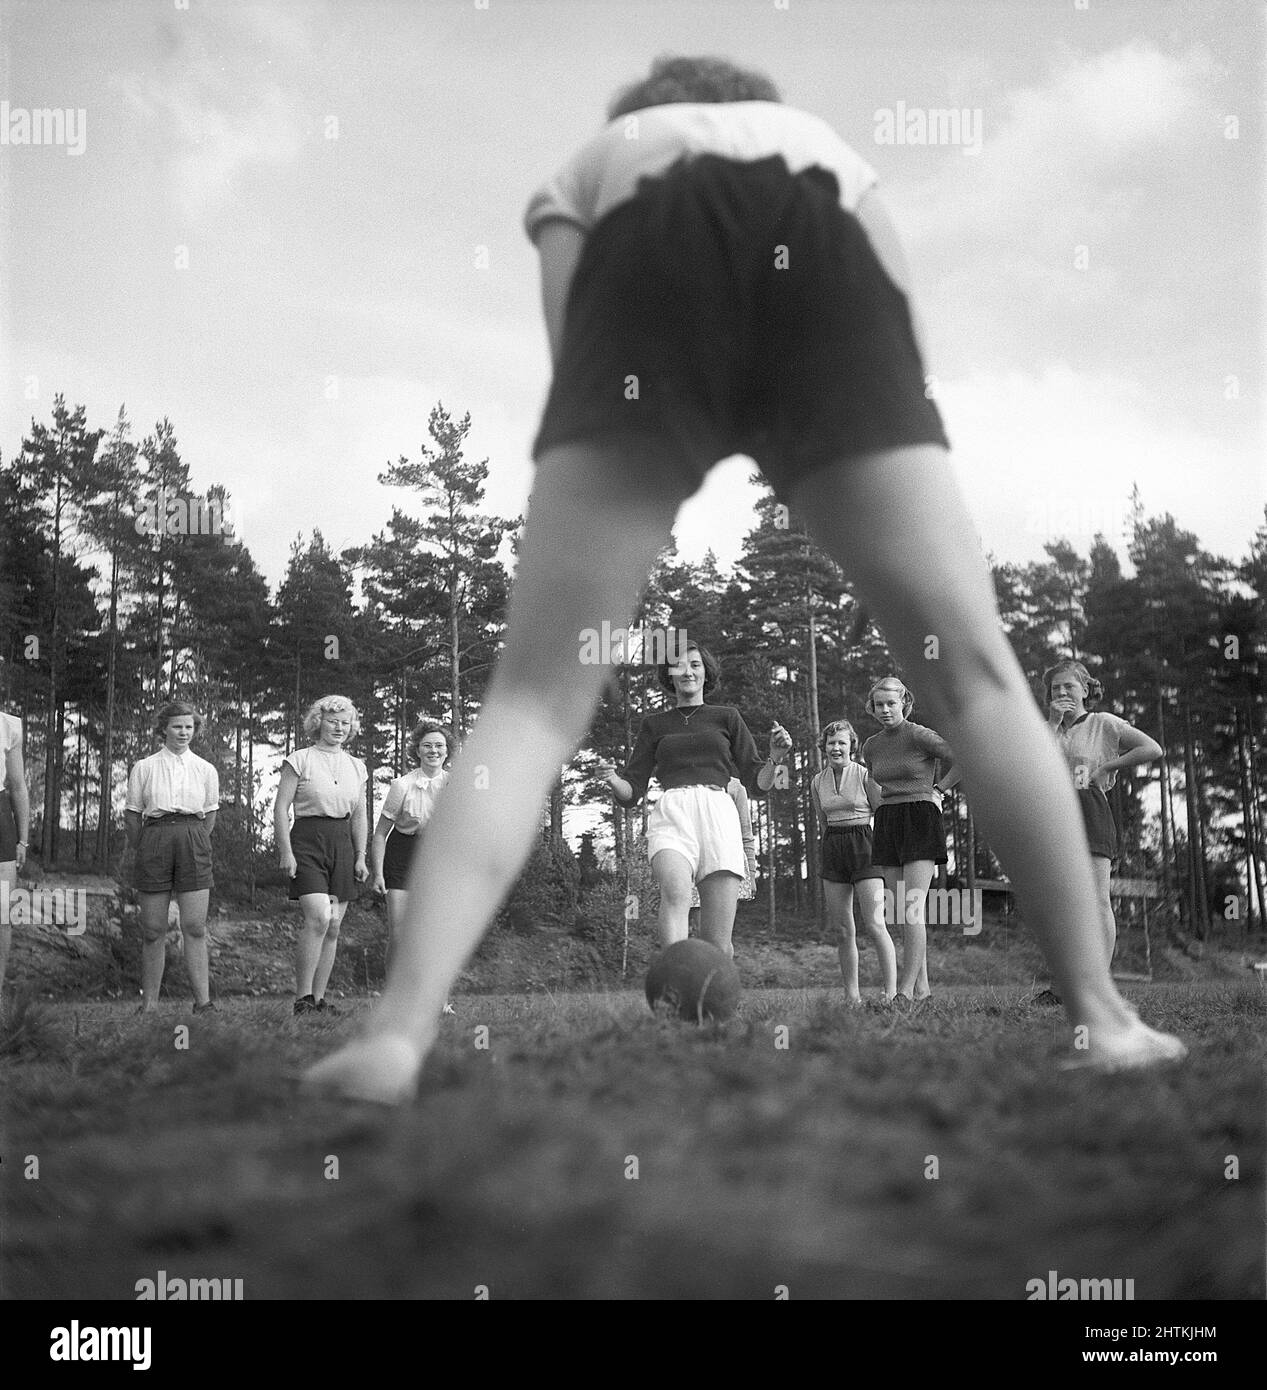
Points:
(673, 875)
(913, 885)
(599, 516)
(918, 563)
(718, 898)
(154, 946)
(193, 923)
(308, 944)
(329, 946)
(396, 900)
(838, 900)
(8, 880)
(1102, 868)
(870, 895)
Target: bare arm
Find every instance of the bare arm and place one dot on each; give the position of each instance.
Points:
(15, 781)
(1136, 747)
(559, 245)
(209, 820)
(286, 789)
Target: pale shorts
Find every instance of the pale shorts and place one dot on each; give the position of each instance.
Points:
(702, 825)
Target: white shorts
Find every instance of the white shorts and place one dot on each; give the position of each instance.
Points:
(702, 825)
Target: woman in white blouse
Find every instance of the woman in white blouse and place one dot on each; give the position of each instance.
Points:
(15, 821)
(410, 802)
(323, 853)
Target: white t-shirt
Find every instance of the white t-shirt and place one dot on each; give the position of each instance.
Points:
(10, 734)
(168, 783)
(331, 782)
(1093, 740)
(411, 799)
(605, 171)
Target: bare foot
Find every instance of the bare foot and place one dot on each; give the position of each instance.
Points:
(1128, 1049)
(379, 1069)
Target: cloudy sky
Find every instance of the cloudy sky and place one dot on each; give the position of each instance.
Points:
(293, 227)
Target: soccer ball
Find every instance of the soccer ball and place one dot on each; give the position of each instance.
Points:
(695, 980)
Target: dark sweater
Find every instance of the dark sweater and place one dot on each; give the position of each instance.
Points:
(904, 762)
(706, 744)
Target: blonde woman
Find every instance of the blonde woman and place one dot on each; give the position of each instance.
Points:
(1096, 746)
(323, 853)
(909, 840)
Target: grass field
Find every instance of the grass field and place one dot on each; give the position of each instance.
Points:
(593, 1151)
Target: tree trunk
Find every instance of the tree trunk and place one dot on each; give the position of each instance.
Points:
(105, 813)
(772, 835)
(1253, 874)
(1200, 904)
(455, 650)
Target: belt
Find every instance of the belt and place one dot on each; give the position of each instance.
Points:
(171, 816)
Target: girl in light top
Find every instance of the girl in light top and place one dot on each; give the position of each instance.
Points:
(15, 822)
(909, 840)
(844, 795)
(324, 852)
(410, 802)
(1096, 746)
(170, 812)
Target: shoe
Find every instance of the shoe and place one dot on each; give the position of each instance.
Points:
(305, 1005)
(1132, 1049)
(208, 1008)
(1047, 998)
(329, 1009)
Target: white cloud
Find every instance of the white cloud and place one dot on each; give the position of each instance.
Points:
(1056, 454)
(214, 118)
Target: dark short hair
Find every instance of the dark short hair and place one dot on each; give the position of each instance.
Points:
(674, 80)
(176, 709)
(421, 730)
(712, 668)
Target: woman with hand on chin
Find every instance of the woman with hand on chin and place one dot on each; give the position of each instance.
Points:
(693, 832)
(324, 853)
(410, 802)
(1096, 746)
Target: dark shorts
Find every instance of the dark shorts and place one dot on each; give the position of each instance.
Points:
(1098, 818)
(8, 829)
(397, 856)
(324, 857)
(757, 319)
(906, 832)
(173, 855)
(846, 854)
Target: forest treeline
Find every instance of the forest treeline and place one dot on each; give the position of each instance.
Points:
(122, 586)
